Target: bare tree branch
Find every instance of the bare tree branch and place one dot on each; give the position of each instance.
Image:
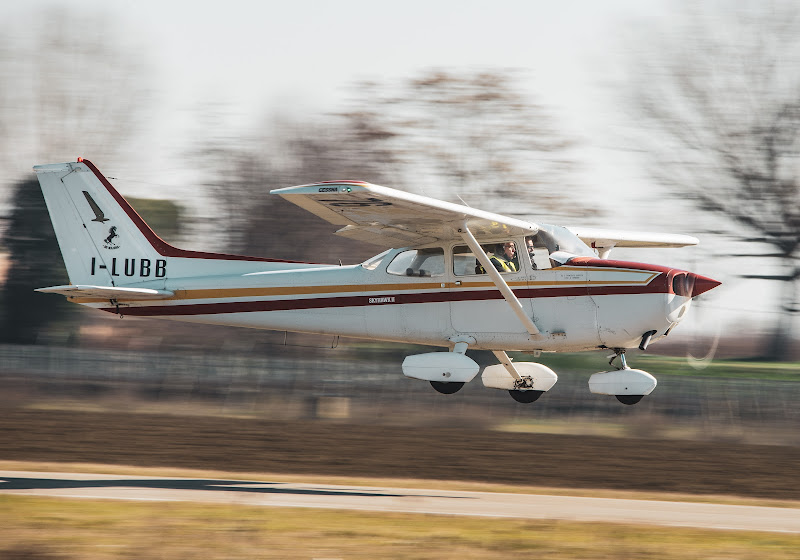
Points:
(721, 100)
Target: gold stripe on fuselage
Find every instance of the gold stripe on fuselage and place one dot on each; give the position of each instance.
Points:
(229, 293)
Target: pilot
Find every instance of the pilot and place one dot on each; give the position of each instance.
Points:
(504, 258)
(529, 245)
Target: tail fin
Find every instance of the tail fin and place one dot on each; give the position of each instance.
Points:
(104, 241)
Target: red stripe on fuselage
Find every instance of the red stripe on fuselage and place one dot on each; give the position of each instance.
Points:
(658, 285)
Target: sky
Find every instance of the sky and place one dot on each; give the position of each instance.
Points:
(247, 59)
(229, 65)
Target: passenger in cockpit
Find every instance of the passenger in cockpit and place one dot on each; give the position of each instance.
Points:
(531, 253)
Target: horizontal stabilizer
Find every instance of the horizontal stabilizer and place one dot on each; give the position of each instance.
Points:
(107, 292)
(640, 239)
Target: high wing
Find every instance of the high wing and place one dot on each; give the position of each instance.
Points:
(606, 239)
(393, 218)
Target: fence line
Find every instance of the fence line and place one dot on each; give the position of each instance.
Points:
(376, 387)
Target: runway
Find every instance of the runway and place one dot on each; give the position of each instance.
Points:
(404, 500)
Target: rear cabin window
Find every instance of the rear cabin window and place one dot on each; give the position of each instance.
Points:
(418, 262)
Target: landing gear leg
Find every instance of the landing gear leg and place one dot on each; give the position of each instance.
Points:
(619, 353)
(523, 391)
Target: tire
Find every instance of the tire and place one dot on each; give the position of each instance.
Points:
(446, 388)
(629, 399)
(525, 396)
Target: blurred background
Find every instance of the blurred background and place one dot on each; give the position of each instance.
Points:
(650, 115)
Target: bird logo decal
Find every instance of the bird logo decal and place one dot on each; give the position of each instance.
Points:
(99, 216)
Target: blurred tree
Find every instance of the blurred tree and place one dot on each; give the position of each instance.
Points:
(72, 90)
(474, 136)
(165, 217)
(68, 88)
(719, 93)
(291, 153)
(34, 262)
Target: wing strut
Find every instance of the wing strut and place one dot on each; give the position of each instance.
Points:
(508, 294)
(508, 365)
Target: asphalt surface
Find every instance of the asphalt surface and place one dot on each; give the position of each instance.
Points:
(406, 500)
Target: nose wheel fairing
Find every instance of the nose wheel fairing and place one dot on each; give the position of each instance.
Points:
(628, 385)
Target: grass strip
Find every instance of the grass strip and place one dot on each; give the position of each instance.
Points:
(53, 528)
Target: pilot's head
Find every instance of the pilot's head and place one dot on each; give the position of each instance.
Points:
(508, 250)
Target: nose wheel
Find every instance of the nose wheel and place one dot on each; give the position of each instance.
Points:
(629, 399)
(628, 385)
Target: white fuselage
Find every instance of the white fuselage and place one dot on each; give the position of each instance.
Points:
(592, 304)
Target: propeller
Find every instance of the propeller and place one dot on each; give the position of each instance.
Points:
(694, 285)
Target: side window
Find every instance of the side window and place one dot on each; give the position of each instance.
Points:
(418, 262)
(503, 256)
(464, 261)
(537, 252)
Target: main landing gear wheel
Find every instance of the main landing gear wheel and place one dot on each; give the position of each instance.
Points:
(525, 396)
(629, 399)
(446, 388)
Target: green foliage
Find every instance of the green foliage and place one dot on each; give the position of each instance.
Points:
(660, 366)
(34, 262)
(163, 216)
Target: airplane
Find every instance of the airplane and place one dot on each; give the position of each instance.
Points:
(451, 276)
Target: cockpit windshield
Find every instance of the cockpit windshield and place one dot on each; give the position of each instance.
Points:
(373, 262)
(557, 238)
